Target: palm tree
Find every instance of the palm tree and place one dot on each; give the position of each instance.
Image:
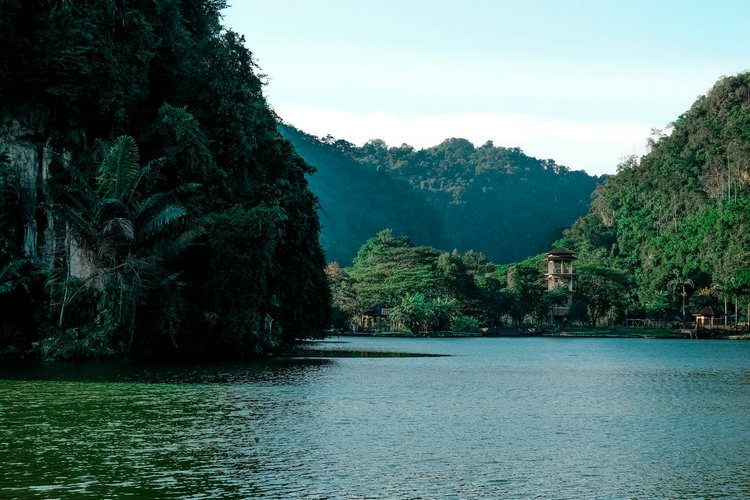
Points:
(680, 280)
(721, 289)
(127, 230)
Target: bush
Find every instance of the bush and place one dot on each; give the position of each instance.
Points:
(418, 315)
(79, 344)
(464, 324)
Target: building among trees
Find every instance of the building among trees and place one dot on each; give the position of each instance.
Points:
(560, 274)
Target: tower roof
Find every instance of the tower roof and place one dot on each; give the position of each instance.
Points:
(561, 252)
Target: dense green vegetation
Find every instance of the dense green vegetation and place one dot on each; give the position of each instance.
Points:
(452, 195)
(665, 237)
(357, 201)
(676, 222)
(429, 290)
(148, 204)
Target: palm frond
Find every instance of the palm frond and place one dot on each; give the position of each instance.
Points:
(146, 170)
(151, 203)
(82, 226)
(119, 226)
(119, 169)
(108, 250)
(189, 187)
(171, 247)
(163, 220)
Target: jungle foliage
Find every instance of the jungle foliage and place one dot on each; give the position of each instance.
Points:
(429, 290)
(453, 195)
(188, 224)
(677, 220)
(666, 236)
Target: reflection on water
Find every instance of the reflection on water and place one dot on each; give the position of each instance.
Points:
(268, 371)
(499, 418)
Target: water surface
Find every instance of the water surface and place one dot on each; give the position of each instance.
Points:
(499, 418)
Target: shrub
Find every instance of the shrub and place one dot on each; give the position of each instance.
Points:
(464, 324)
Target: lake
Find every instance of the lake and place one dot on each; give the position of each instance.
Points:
(498, 418)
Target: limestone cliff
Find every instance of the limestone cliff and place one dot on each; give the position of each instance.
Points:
(34, 149)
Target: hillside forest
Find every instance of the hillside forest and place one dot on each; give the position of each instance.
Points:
(667, 236)
(453, 195)
(149, 207)
(153, 206)
(676, 221)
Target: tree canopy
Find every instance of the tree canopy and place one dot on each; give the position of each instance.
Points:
(453, 195)
(677, 219)
(196, 166)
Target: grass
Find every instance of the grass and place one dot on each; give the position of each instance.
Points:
(618, 331)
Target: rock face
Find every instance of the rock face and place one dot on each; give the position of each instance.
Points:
(23, 140)
(48, 241)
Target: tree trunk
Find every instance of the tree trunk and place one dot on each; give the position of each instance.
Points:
(62, 307)
(684, 320)
(132, 323)
(725, 310)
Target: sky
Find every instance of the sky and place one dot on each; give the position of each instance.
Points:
(580, 82)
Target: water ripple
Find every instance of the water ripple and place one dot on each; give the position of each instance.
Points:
(503, 418)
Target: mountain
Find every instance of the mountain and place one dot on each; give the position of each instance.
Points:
(357, 200)
(454, 195)
(681, 213)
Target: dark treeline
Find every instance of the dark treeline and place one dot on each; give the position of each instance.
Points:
(453, 195)
(148, 204)
(676, 222)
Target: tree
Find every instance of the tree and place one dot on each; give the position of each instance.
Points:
(244, 308)
(388, 267)
(412, 313)
(343, 297)
(558, 296)
(127, 232)
(720, 289)
(680, 281)
(420, 315)
(659, 305)
(601, 290)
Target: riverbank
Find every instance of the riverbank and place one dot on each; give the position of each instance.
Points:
(580, 332)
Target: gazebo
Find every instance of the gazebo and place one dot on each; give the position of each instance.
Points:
(705, 317)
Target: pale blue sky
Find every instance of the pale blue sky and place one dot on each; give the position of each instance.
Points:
(580, 82)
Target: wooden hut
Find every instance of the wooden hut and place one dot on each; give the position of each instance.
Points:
(374, 316)
(704, 318)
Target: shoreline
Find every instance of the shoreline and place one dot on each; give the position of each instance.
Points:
(559, 334)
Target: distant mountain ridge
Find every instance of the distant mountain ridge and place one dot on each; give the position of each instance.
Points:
(491, 199)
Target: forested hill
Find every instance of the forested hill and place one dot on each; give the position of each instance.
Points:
(680, 214)
(357, 200)
(148, 204)
(454, 195)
